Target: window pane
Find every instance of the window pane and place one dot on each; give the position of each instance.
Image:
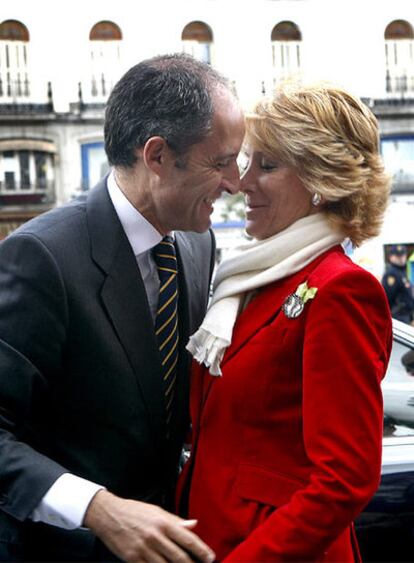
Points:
(24, 170)
(41, 169)
(398, 391)
(9, 181)
(398, 157)
(94, 164)
(9, 169)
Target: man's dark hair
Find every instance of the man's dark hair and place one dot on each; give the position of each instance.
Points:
(168, 96)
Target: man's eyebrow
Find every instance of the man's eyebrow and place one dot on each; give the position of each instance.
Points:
(227, 155)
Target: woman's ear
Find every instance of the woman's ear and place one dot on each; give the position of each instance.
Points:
(156, 154)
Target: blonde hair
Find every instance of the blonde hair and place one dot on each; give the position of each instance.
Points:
(331, 139)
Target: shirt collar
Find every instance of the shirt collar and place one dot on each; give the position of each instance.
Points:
(140, 233)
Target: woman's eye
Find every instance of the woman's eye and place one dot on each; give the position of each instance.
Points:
(267, 164)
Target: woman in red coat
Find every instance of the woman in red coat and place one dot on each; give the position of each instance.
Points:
(286, 402)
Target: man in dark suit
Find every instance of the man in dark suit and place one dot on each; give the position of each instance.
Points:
(89, 439)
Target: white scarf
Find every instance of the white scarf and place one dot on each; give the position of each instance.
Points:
(256, 264)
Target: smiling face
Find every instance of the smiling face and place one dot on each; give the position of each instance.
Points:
(197, 179)
(275, 196)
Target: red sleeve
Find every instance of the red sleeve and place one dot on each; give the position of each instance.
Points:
(347, 343)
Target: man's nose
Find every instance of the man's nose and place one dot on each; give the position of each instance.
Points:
(231, 180)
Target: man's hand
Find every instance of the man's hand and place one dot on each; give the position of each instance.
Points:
(137, 531)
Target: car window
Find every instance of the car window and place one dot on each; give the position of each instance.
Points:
(398, 385)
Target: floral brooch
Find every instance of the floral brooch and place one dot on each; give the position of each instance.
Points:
(295, 302)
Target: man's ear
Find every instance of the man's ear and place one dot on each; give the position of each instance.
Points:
(155, 154)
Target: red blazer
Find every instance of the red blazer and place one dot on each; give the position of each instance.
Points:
(287, 443)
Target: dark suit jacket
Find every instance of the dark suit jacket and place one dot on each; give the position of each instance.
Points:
(80, 380)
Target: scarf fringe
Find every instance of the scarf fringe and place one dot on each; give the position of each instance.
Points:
(208, 350)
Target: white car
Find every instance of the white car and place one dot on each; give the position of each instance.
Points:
(398, 385)
(386, 527)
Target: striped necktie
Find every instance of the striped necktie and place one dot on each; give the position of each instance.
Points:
(166, 322)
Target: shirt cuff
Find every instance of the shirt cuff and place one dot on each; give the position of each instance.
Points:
(65, 503)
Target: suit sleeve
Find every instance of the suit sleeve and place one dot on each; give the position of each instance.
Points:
(346, 348)
(33, 318)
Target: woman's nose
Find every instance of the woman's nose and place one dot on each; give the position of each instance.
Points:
(246, 181)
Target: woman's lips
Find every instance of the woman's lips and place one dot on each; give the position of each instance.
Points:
(252, 208)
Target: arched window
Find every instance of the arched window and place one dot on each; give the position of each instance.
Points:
(12, 30)
(14, 77)
(27, 171)
(399, 56)
(286, 41)
(105, 40)
(197, 39)
(105, 31)
(286, 31)
(399, 29)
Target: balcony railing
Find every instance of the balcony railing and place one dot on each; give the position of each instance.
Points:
(23, 105)
(399, 83)
(27, 195)
(14, 89)
(25, 109)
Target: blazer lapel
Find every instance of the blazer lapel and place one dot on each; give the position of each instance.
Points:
(125, 300)
(188, 275)
(259, 312)
(189, 279)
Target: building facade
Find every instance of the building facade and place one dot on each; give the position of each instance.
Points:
(58, 63)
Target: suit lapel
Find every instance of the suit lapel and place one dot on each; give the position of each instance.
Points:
(125, 300)
(189, 279)
(188, 275)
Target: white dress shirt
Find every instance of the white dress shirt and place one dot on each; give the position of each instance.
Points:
(65, 503)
